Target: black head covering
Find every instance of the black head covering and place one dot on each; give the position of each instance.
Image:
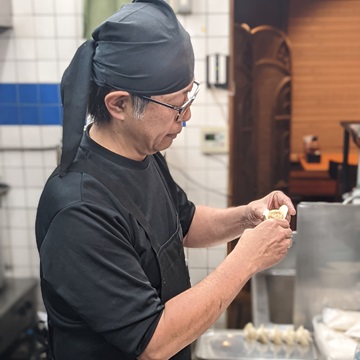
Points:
(142, 48)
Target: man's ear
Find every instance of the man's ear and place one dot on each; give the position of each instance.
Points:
(116, 102)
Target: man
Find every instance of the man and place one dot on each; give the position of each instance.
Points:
(112, 223)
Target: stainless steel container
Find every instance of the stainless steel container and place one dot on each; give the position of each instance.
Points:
(231, 344)
(328, 259)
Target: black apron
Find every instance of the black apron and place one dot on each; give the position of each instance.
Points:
(170, 255)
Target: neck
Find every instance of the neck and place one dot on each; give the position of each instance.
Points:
(113, 140)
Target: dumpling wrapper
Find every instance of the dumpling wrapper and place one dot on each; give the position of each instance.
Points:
(276, 213)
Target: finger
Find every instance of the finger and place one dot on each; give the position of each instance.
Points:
(291, 209)
(287, 239)
(281, 199)
(283, 223)
(288, 216)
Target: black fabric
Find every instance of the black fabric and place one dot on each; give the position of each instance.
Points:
(75, 85)
(99, 275)
(170, 254)
(142, 48)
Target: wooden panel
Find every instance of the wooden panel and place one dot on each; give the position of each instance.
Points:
(312, 187)
(243, 137)
(325, 38)
(261, 12)
(261, 113)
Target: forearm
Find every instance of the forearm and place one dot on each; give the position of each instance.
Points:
(189, 314)
(211, 226)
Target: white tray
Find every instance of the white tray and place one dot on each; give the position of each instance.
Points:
(227, 344)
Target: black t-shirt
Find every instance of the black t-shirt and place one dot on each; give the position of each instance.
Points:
(100, 278)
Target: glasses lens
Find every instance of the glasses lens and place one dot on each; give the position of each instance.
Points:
(192, 92)
(190, 99)
(184, 110)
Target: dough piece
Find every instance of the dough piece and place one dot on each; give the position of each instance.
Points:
(250, 332)
(276, 213)
(226, 343)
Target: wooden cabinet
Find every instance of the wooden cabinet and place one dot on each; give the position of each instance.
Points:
(261, 112)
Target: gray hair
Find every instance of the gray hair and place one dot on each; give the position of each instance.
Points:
(139, 104)
(96, 105)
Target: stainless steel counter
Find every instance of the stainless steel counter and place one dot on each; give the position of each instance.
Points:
(327, 259)
(230, 344)
(17, 309)
(272, 292)
(322, 269)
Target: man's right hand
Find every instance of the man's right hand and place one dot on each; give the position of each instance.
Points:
(266, 244)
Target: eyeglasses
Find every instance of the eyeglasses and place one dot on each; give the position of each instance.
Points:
(183, 108)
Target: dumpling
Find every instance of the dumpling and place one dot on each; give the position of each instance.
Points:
(289, 337)
(262, 335)
(303, 336)
(250, 332)
(276, 213)
(275, 336)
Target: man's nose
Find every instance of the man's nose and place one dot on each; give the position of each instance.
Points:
(186, 116)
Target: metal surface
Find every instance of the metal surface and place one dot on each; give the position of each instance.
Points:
(232, 345)
(327, 259)
(272, 291)
(17, 309)
(350, 128)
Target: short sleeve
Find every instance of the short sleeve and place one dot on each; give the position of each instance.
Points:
(98, 273)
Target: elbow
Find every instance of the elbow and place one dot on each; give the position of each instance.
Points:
(153, 355)
(159, 351)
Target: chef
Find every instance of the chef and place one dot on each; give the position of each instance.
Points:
(112, 223)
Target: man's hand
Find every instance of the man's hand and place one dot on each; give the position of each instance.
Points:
(266, 244)
(255, 209)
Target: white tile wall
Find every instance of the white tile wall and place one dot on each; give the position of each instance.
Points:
(21, 7)
(43, 7)
(38, 49)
